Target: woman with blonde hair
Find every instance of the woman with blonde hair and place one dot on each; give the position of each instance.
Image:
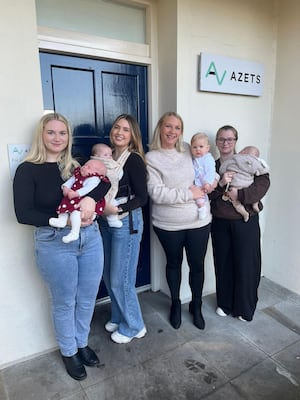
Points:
(72, 272)
(175, 213)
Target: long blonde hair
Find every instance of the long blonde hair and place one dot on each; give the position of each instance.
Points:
(135, 145)
(156, 140)
(38, 153)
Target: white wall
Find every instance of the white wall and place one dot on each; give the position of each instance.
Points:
(241, 29)
(167, 101)
(25, 327)
(281, 240)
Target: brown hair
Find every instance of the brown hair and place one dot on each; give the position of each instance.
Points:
(227, 128)
(135, 144)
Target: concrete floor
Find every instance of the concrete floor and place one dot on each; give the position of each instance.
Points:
(229, 360)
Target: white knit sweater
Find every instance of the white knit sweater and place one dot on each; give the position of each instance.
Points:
(170, 174)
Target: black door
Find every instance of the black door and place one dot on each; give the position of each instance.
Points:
(91, 94)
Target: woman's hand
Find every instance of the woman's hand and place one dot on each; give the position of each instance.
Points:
(87, 210)
(207, 188)
(226, 178)
(110, 209)
(198, 192)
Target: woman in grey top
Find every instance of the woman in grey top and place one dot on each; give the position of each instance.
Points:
(175, 214)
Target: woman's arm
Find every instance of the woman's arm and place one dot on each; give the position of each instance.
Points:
(160, 193)
(256, 191)
(135, 172)
(23, 191)
(37, 192)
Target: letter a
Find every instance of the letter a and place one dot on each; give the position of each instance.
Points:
(213, 71)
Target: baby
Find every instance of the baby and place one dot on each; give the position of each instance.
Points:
(83, 180)
(102, 152)
(246, 165)
(205, 170)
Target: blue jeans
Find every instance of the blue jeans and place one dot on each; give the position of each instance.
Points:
(72, 273)
(121, 254)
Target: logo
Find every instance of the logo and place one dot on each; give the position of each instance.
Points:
(212, 70)
(222, 74)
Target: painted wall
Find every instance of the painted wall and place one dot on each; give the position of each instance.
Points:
(25, 326)
(245, 30)
(281, 239)
(167, 100)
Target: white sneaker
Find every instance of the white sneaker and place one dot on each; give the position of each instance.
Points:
(242, 319)
(117, 337)
(220, 312)
(111, 327)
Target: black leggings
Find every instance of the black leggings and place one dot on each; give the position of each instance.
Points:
(195, 243)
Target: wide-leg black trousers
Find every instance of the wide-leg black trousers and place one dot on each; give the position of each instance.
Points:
(237, 259)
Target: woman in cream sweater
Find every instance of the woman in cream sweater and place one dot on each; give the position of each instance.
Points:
(175, 214)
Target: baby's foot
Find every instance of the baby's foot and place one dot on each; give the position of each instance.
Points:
(202, 212)
(115, 224)
(113, 221)
(70, 237)
(57, 222)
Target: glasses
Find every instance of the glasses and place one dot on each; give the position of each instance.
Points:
(229, 140)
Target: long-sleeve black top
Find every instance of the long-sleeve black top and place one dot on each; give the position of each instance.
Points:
(37, 192)
(133, 183)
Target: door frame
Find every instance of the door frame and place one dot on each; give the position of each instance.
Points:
(75, 43)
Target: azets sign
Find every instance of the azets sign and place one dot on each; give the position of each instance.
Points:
(230, 75)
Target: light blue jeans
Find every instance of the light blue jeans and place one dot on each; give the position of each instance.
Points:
(72, 273)
(121, 254)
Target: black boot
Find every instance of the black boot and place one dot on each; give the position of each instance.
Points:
(74, 367)
(195, 310)
(88, 356)
(175, 315)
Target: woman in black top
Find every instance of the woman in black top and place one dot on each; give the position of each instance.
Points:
(71, 271)
(236, 244)
(122, 245)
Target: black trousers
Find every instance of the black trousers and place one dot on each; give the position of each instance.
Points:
(237, 259)
(194, 241)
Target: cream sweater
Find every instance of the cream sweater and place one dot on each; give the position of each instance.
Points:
(170, 174)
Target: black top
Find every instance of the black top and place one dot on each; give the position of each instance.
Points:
(133, 183)
(37, 192)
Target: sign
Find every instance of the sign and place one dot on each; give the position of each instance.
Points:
(230, 75)
(16, 154)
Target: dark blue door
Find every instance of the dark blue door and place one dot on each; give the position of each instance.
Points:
(91, 94)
